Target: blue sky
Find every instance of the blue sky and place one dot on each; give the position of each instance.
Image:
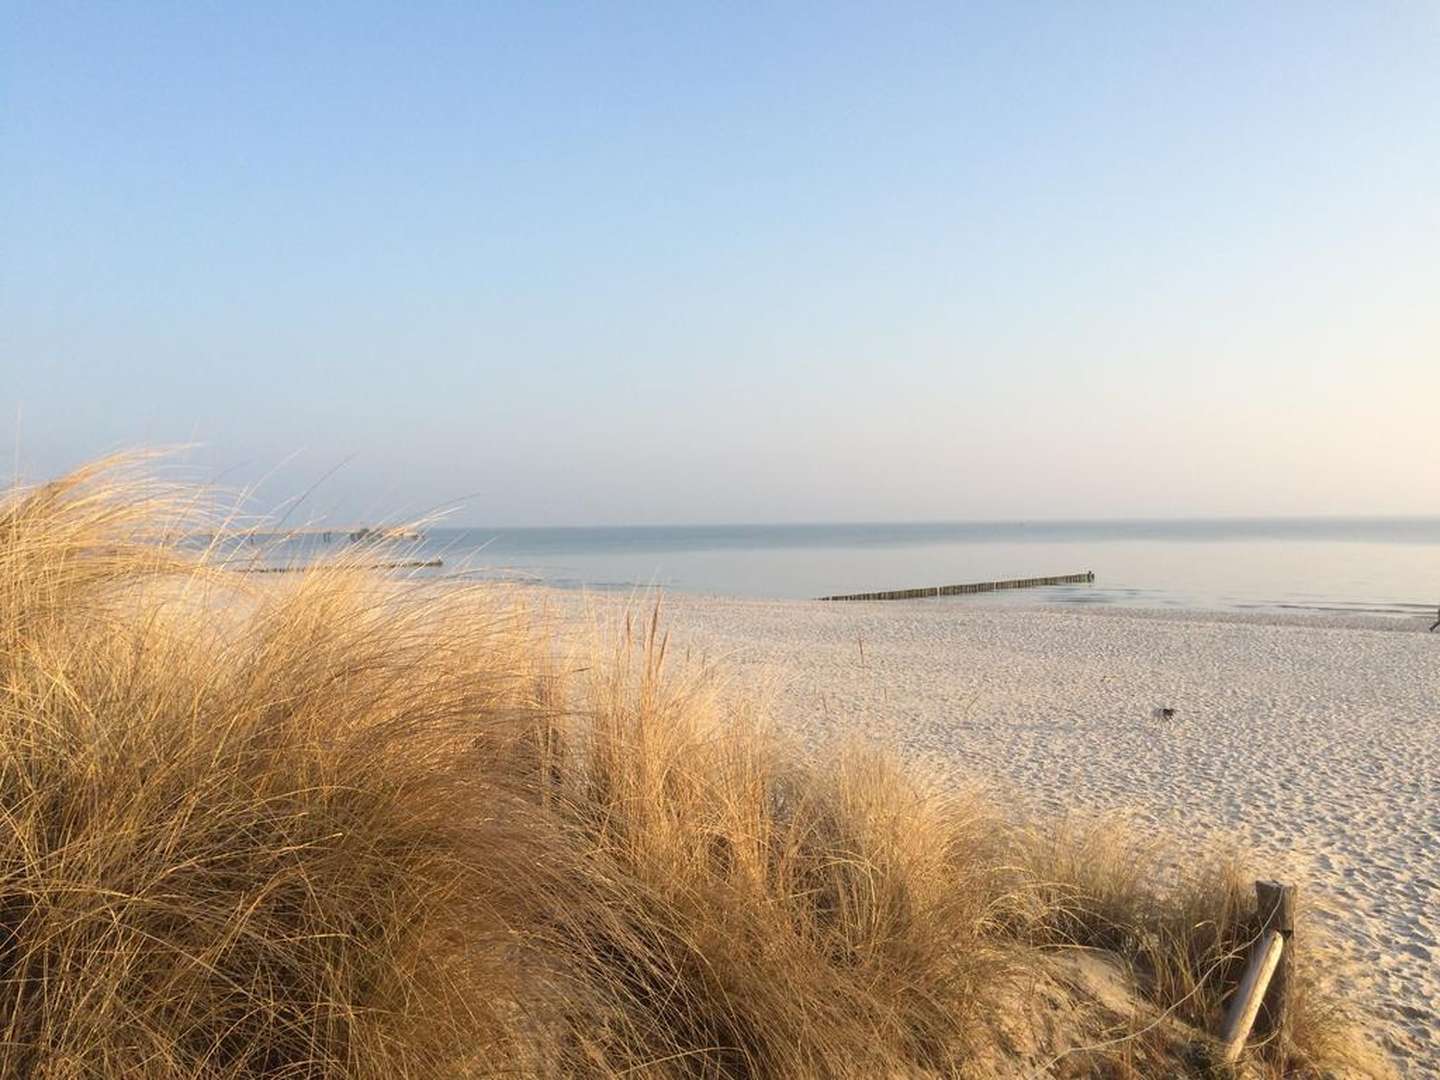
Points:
(696, 263)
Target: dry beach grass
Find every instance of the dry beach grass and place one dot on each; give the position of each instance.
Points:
(342, 824)
(1308, 742)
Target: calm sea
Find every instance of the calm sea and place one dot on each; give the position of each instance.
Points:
(1385, 566)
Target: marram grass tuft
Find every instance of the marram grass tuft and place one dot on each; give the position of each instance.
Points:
(343, 824)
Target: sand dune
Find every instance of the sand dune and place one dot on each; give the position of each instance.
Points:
(1314, 740)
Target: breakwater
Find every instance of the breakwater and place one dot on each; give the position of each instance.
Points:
(975, 587)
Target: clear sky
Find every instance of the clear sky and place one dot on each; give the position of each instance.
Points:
(610, 263)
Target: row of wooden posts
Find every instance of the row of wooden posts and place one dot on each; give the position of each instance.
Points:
(408, 564)
(976, 587)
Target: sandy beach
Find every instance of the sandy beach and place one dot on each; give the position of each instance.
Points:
(1311, 740)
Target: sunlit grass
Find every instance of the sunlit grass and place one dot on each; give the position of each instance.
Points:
(338, 824)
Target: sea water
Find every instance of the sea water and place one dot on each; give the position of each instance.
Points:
(1387, 566)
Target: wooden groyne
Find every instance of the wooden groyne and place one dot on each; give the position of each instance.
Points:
(964, 590)
(410, 564)
(327, 534)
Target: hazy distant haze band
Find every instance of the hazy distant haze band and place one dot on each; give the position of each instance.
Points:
(1400, 530)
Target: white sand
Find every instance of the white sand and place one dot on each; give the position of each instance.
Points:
(1316, 740)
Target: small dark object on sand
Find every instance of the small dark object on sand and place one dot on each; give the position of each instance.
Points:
(1436, 623)
(1164, 712)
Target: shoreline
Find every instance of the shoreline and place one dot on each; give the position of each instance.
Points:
(1379, 616)
(1310, 740)
(1315, 618)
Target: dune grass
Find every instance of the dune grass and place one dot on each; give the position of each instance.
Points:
(338, 824)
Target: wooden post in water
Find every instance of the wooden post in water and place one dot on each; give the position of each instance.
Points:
(965, 590)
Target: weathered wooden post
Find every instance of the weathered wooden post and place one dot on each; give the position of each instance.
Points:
(1272, 949)
(1276, 904)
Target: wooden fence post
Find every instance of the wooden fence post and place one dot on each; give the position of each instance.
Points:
(1276, 904)
(1270, 968)
(1246, 1003)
